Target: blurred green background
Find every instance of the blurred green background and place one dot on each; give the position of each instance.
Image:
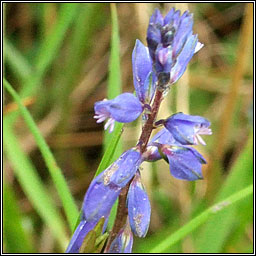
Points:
(56, 56)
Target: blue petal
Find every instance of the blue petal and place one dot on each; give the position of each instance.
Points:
(156, 18)
(125, 108)
(183, 58)
(172, 19)
(191, 118)
(154, 32)
(183, 32)
(138, 207)
(163, 59)
(78, 237)
(99, 199)
(183, 127)
(185, 163)
(106, 187)
(163, 137)
(124, 168)
(153, 39)
(142, 67)
(169, 16)
(150, 87)
(102, 107)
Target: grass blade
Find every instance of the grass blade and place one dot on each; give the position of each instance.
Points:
(18, 63)
(50, 45)
(199, 220)
(114, 82)
(213, 235)
(110, 151)
(32, 186)
(15, 237)
(114, 89)
(56, 174)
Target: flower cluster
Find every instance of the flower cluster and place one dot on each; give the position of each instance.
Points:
(171, 45)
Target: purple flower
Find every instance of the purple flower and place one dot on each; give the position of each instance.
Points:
(123, 241)
(99, 198)
(185, 163)
(154, 35)
(106, 187)
(164, 59)
(183, 58)
(122, 170)
(162, 137)
(78, 237)
(171, 43)
(124, 108)
(143, 78)
(138, 207)
(186, 129)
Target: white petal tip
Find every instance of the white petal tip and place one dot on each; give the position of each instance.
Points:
(199, 46)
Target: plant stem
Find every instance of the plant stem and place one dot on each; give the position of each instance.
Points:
(148, 127)
(122, 211)
(121, 216)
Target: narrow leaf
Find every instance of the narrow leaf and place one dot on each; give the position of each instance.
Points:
(199, 220)
(56, 174)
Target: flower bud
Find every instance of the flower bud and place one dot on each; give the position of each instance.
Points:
(138, 207)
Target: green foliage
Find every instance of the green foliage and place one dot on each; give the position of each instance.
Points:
(16, 237)
(94, 240)
(32, 185)
(215, 233)
(58, 179)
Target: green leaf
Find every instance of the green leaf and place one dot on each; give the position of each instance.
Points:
(79, 42)
(215, 233)
(88, 244)
(100, 242)
(114, 80)
(110, 150)
(50, 47)
(55, 172)
(17, 62)
(15, 237)
(94, 240)
(199, 220)
(114, 89)
(32, 186)
(47, 51)
(99, 227)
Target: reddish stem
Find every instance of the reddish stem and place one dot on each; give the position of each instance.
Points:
(149, 125)
(122, 211)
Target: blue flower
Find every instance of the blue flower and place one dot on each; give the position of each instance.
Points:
(99, 198)
(138, 207)
(143, 78)
(124, 108)
(171, 43)
(162, 137)
(102, 194)
(186, 129)
(106, 187)
(185, 163)
(123, 241)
